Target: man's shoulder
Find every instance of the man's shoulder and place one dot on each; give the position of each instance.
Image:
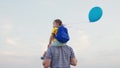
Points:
(69, 47)
(57, 47)
(60, 46)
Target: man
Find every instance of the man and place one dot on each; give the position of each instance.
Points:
(59, 57)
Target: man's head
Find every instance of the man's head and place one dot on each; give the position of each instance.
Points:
(57, 23)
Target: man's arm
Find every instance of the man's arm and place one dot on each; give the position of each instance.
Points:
(73, 61)
(47, 60)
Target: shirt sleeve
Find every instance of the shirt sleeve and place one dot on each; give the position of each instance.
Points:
(48, 54)
(54, 30)
(72, 53)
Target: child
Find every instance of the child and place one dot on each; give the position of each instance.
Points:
(53, 39)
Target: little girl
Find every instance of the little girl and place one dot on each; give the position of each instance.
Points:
(53, 41)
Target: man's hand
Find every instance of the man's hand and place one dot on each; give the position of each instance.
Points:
(46, 63)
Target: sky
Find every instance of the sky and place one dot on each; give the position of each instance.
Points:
(25, 27)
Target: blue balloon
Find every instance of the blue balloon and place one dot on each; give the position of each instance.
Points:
(95, 14)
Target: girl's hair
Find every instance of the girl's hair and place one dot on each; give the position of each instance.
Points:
(58, 21)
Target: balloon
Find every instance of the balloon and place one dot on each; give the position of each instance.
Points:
(95, 14)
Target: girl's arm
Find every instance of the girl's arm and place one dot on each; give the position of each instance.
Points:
(54, 30)
(51, 39)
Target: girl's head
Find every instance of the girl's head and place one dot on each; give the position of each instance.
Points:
(57, 23)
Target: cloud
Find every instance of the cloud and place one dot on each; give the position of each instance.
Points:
(16, 53)
(8, 57)
(8, 53)
(85, 40)
(16, 57)
(95, 51)
(48, 3)
(80, 40)
(6, 26)
(10, 41)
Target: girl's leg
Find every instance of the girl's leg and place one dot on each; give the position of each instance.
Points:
(57, 43)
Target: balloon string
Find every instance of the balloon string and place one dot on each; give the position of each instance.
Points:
(72, 24)
(75, 25)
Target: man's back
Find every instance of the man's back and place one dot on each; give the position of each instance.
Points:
(60, 56)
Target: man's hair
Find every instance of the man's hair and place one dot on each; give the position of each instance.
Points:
(58, 21)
